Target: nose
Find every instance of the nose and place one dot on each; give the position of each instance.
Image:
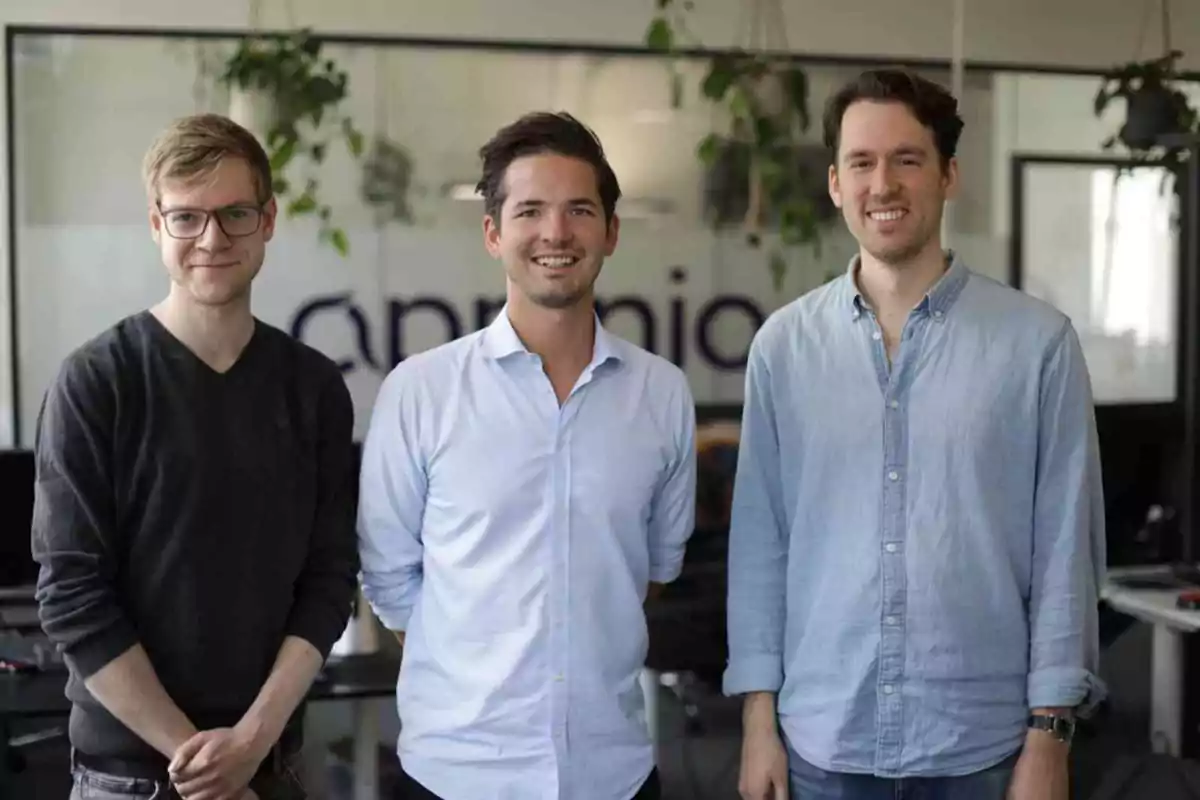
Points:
(883, 180)
(556, 228)
(214, 237)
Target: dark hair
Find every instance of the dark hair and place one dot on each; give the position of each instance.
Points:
(544, 132)
(932, 105)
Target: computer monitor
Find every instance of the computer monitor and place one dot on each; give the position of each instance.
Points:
(17, 567)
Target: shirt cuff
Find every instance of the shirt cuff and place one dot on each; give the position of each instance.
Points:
(666, 568)
(91, 654)
(757, 673)
(391, 599)
(1066, 687)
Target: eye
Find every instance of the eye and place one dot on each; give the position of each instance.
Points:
(587, 212)
(528, 212)
(237, 213)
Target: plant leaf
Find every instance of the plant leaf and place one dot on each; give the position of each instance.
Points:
(662, 4)
(354, 139)
(795, 81)
(764, 133)
(659, 35)
(709, 149)
(722, 72)
(304, 204)
(282, 155)
(337, 237)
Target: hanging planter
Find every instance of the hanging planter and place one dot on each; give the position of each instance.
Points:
(1154, 105)
(288, 94)
(254, 109)
(761, 164)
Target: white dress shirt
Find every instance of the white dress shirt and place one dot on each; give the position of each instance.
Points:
(513, 540)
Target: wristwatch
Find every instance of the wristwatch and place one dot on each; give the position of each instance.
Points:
(1061, 728)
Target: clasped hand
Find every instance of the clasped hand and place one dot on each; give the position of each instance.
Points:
(216, 765)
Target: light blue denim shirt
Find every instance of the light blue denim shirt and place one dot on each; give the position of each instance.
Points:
(513, 540)
(916, 548)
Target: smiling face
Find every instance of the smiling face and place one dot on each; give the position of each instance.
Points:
(552, 236)
(217, 267)
(890, 182)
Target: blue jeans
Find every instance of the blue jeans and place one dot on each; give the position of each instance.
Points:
(812, 783)
(283, 783)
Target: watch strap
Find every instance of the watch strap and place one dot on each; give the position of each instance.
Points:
(1061, 728)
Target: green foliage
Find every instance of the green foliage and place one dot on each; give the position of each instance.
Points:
(767, 101)
(1154, 106)
(387, 180)
(305, 90)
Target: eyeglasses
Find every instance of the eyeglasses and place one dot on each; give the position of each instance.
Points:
(191, 223)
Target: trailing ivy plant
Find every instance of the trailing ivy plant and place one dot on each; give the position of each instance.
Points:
(1154, 106)
(305, 90)
(766, 100)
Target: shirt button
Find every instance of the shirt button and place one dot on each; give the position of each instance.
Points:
(888, 688)
(558, 678)
(894, 404)
(893, 475)
(890, 547)
(889, 620)
(937, 315)
(877, 336)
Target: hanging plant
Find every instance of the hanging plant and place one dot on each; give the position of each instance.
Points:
(1155, 106)
(290, 94)
(387, 179)
(766, 102)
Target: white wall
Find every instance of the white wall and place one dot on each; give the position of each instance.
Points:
(1089, 33)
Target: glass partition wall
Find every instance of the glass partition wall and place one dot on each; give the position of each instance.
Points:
(86, 107)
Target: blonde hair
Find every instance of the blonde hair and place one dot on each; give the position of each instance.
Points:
(193, 147)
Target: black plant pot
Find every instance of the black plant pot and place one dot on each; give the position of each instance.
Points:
(1152, 112)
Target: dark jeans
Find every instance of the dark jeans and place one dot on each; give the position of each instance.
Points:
(409, 789)
(277, 781)
(812, 783)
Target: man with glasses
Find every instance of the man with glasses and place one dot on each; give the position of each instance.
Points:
(194, 512)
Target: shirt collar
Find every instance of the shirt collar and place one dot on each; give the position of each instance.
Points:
(937, 300)
(500, 340)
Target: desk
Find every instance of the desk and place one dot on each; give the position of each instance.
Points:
(355, 678)
(1174, 717)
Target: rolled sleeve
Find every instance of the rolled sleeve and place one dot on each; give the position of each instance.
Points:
(1068, 538)
(391, 505)
(1065, 687)
(754, 673)
(673, 515)
(757, 543)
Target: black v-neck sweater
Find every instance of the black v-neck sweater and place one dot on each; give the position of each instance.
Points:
(204, 515)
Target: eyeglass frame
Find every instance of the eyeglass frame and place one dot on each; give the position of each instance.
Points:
(209, 216)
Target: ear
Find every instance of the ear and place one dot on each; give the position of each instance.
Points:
(950, 178)
(614, 231)
(270, 212)
(156, 226)
(491, 235)
(835, 186)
